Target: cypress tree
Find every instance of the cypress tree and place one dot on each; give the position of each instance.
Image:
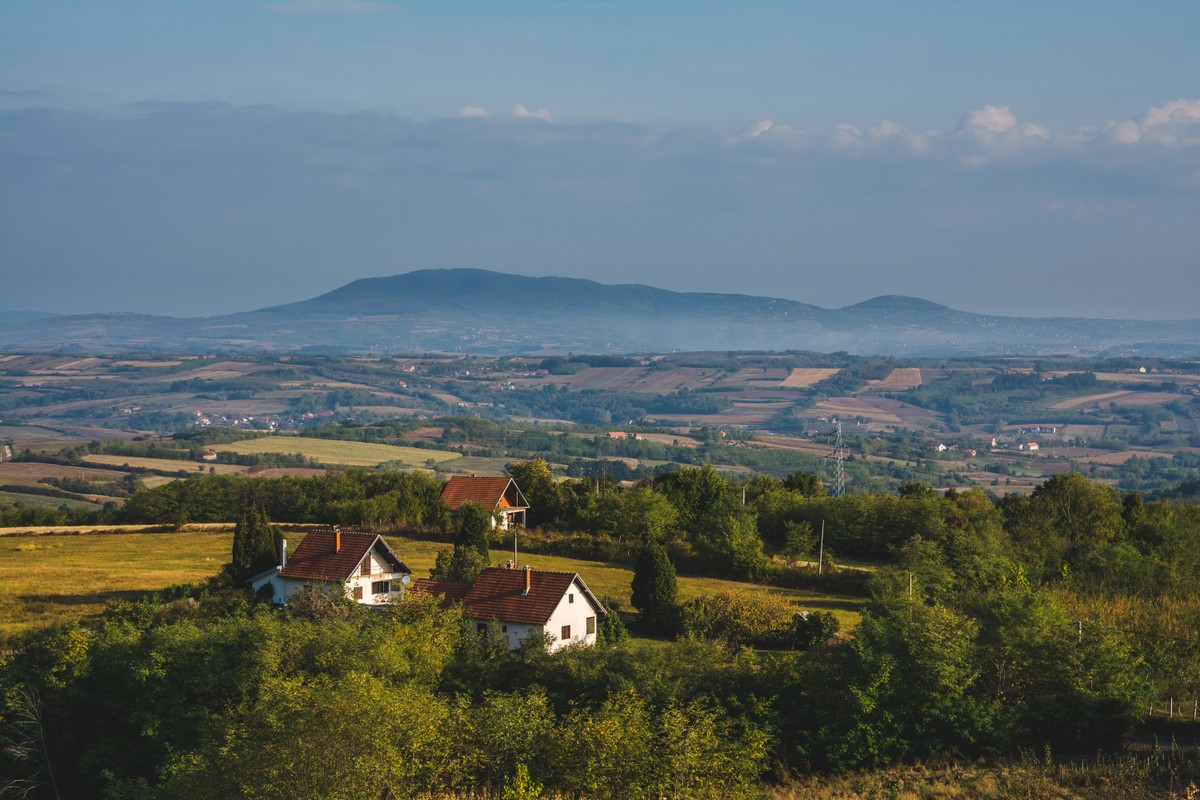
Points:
(255, 544)
(240, 564)
(654, 587)
(474, 522)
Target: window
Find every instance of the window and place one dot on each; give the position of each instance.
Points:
(381, 587)
(504, 629)
(358, 594)
(566, 632)
(366, 566)
(591, 625)
(570, 598)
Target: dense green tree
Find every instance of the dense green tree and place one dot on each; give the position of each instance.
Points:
(807, 484)
(1066, 522)
(642, 515)
(459, 563)
(541, 490)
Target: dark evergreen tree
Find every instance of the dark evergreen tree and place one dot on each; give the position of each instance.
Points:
(654, 587)
(256, 544)
(474, 522)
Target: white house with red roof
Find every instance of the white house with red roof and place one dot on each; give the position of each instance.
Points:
(499, 494)
(558, 605)
(361, 562)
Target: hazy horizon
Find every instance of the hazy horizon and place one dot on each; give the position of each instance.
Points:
(203, 159)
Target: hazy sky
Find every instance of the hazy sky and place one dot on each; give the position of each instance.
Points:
(193, 158)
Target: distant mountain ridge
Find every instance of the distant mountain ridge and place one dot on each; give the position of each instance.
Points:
(479, 311)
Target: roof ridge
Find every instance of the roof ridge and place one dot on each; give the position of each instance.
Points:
(535, 569)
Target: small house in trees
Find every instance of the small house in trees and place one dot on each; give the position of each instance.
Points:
(520, 602)
(499, 494)
(361, 562)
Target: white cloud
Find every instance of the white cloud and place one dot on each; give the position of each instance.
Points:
(1176, 111)
(758, 128)
(989, 120)
(325, 7)
(847, 135)
(520, 111)
(1125, 132)
(473, 111)
(1034, 131)
(1174, 124)
(884, 130)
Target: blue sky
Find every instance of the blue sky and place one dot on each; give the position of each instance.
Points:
(197, 158)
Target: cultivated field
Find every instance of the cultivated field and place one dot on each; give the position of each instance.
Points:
(29, 473)
(473, 465)
(898, 380)
(165, 464)
(843, 407)
(223, 370)
(331, 451)
(1124, 398)
(45, 501)
(670, 439)
(110, 566)
(803, 377)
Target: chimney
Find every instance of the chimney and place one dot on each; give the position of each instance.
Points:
(337, 539)
(527, 581)
(282, 553)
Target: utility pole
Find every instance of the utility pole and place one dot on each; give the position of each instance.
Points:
(821, 551)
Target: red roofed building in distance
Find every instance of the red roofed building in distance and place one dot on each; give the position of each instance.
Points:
(493, 493)
(524, 601)
(361, 562)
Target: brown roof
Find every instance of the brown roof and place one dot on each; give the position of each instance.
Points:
(487, 491)
(497, 594)
(451, 591)
(317, 559)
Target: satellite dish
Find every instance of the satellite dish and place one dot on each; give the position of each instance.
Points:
(406, 580)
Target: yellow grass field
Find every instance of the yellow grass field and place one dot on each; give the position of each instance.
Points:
(330, 451)
(110, 566)
(898, 380)
(803, 377)
(166, 464)
(46, 579)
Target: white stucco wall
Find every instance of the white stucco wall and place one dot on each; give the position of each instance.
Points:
(574, 614)
(286, 587)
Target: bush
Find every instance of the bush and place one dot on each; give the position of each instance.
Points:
(759, 619)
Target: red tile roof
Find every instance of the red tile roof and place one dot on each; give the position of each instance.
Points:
(450, 591)
(487, 491)
(317, 559)
(497, 594)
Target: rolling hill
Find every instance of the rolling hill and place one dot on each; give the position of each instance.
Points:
(477, 311)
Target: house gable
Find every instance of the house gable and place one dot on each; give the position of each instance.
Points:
(556, 603)
(489, 492)
(337, 555)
